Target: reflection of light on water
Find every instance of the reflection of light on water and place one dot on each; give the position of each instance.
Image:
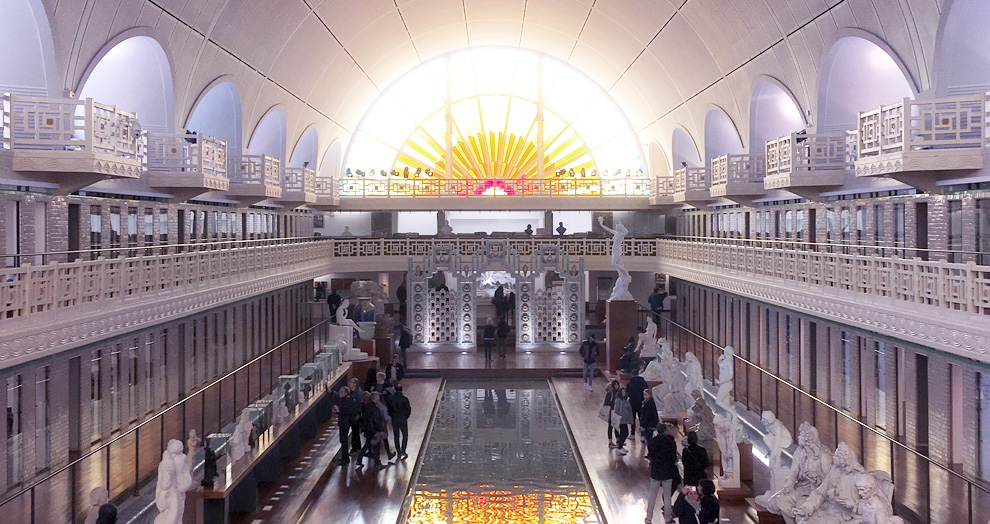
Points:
(516, 505)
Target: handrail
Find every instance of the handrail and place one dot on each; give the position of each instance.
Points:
(975, 482)
(807, 244)
(202, 389)
(158, 247)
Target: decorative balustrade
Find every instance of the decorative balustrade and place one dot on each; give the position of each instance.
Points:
(194, 162)
(799, 160)
(102, 284)
(298, 186)
(738, 175)
(63, 136)
(258, 178)
(357, 187)
(923, 135)
(691, 185)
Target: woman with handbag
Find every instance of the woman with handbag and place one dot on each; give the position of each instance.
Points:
(622, 416)
(605, 412)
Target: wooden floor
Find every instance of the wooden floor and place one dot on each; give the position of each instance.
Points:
(621, 482)
(365, 496)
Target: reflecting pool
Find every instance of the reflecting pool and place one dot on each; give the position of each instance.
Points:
(498, 454)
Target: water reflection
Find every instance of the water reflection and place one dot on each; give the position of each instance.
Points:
(498, 454)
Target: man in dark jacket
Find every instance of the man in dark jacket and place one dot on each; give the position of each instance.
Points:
(649, 417)
(372, 424)
(347, 408)
(334, 301)
(663, 473)
(405, 342)
(589, 355)
(635, 388)
(695, 460)
(400, 410)
(395, 370)
(502, 334)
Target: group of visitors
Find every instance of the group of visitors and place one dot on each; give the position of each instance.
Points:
(505, 304)
(368, 412)
(696, 502)
(492, 335)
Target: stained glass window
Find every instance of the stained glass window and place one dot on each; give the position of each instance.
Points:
(494, 115)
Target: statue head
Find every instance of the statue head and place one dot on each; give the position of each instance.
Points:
(845, 458)
(174, 447)
(768, 418)
(807, 434)
(98, 496)
(728, 352)
(866, 486)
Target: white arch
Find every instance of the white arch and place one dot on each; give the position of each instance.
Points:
(962, 49)
(135, 75)
(27, 66)
(306, 149)
(721, 135)
(772, 113)
(330, 165)
(269, 135)
(683, 149)
(218, 114)
(857, 75)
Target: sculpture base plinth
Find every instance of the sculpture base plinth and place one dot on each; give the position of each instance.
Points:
(733, 495)
(763, 515)
(620, 324)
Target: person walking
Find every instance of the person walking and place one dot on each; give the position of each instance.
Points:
(663, 474)
(623, 415)
(502, 334)
(695, 460)
(611, 392)
(377, 398)
(488, 338)
(357, 394)
(636, 388)
(400, 295)
(589, 355)
(649, 418)
(372, 424)
(656, 303)
(348, 410)
(405, 342)
(400, 411)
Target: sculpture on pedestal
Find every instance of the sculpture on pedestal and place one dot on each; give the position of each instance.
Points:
(191, 444)
(676, 400)
(238, 444)
(777, 438)
(809, 465)
(695, 377)
(364, 291)
(97, 497)
(342, 335)
(647, 346)
(836, 500)
(621, 289)
(726, 374)
(281, 411)
(174, 479)
(702, 422)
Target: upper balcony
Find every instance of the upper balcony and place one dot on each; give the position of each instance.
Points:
(691, 186)
(662, 191)
(738, 177)
(807, 164)
(70, 143)
(327, 195)
(258, 179)
(298, 186)
(630, 192)
(186, 165)
(923, 141)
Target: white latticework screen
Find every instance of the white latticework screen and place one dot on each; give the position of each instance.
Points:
(550, 322)
(441, 316)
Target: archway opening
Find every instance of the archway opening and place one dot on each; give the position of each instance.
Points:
(721, 137)
(269, 136)
(28, 68)
(962, 53)
(772, 114)
(684, 152)
(135, 76)
(306, 150)
(218, 114)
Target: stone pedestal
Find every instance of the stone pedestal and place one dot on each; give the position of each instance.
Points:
(359, 369)
(383, 349)
(764, 516)
(367, 346)
(620, 324)
(745, 462)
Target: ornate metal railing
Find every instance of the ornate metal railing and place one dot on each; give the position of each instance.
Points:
(357, 187)
(186, 152)
(910, 125)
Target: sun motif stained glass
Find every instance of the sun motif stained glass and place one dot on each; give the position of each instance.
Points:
(493, 116)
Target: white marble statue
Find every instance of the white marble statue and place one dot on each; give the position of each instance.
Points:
(702, 422)
(727, 435)
(777, 438)
(97, 497)
(191, 444)
(875, 498)
(280, 411)
(695, 377)
(342, 335)
(810, 463)
(239, 443)
(652, 373)
(836, 500)
(676, 400)
(174, 479)
(726, 374)
(621, 289)
(342, 319)
(647, 345)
